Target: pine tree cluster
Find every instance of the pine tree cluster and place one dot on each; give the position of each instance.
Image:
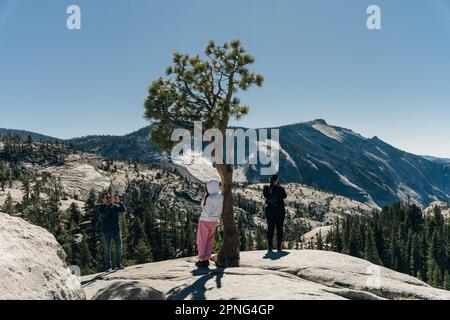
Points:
(399, 237)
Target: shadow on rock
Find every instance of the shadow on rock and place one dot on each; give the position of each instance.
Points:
(275, 255)
(197, 289)
(97, 277)
(133, 290)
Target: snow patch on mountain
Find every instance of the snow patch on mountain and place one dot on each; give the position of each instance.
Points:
(413, 166)
(347, 182)
(330, 132)
(343, 178)
(311, 163)
(406, 194)
(384, 162)
(382, 152)
(302, 136)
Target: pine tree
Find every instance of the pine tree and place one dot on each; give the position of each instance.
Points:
(8, 206)
(436, 249)
(205, 90)
(260, 243)
(190, 236)
(4, 175)
(91, 227)
(136, 235)
(371, 251)
(446, 285)
(150, 225)
(75, 215)
(354, 247)
(337, 238)
(26, 185)
(438, 279)
(83, 257)
(416, 256)
(143, 253)
(319, 241)
(242, 233)
(250, 241)
(394, 252)
(346, 236)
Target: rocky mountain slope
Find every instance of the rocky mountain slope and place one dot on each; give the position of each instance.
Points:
(316, 154)
(32, 264)
(293, 275)
(324, 156)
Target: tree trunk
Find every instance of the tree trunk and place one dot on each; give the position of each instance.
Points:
(228, 256)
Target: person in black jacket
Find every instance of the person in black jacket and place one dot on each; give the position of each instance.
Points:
(275, 211)
(109, 214)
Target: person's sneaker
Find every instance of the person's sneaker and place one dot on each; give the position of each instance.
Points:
(119, 267)
(270, 250)
(202, 264)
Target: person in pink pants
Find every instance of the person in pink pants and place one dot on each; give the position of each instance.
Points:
(209, 219)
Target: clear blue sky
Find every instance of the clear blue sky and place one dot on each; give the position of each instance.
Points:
(318, 58)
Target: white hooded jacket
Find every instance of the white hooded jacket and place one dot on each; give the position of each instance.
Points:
(214, 203)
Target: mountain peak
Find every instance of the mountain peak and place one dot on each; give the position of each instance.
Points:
(319, 121)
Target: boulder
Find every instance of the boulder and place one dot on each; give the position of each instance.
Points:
(129, 290)
(32, 264)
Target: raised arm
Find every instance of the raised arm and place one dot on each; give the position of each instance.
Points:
(283, 193)
(120, 207)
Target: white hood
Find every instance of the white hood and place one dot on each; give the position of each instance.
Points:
(213, 186)
(214, 203)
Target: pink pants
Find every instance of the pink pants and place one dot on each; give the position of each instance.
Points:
(205, 239)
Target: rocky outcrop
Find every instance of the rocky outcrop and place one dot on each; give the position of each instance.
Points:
(443, 206)
(78, 179)
(293, 275)
(32, 264)
(311, 236)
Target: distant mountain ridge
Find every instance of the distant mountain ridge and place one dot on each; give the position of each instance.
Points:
(23, 134)
(438, 160)
(317, 154)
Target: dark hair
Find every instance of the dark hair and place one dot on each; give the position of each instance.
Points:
(273, 179)
(106, 194)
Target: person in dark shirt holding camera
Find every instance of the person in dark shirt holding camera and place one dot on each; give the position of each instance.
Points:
(109, 212)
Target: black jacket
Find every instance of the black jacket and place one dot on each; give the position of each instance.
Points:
(109, 215)
(275, 201)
